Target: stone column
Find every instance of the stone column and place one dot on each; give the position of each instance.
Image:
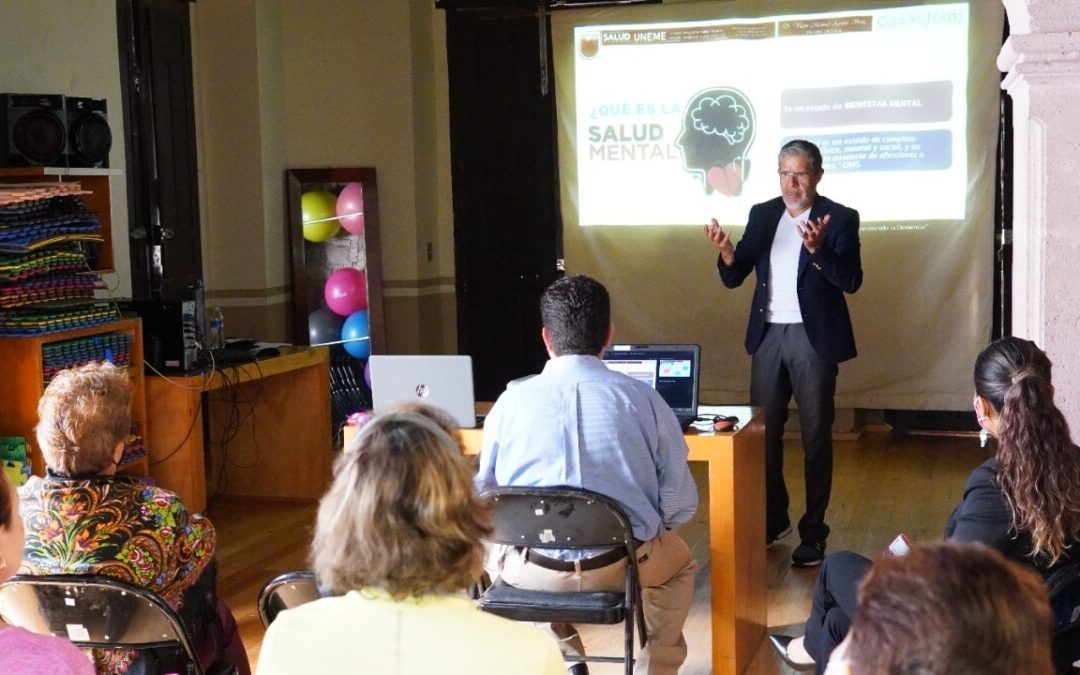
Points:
(1041, 59)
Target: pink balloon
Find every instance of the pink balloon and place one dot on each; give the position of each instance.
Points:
(350, 208)
(346, 291)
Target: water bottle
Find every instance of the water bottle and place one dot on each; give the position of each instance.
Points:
(217, 329)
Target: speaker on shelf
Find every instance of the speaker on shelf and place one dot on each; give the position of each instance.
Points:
(88, 135)
(34, 128)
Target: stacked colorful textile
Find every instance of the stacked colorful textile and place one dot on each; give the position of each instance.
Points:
(46, 238)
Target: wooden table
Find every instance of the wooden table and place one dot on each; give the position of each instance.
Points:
(736, 503)
(269, 429)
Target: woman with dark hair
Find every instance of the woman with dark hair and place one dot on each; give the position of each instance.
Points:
(397, 540)
(1024, 501)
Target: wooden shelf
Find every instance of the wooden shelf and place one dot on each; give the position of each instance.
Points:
(21, 363)
(21, 357)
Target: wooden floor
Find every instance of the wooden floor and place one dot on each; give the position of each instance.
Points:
(883, 484)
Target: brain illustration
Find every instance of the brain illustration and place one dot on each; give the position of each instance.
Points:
(718, 130)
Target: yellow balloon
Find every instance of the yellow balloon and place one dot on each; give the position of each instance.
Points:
(319, 215)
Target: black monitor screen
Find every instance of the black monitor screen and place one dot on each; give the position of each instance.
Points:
(672, 370)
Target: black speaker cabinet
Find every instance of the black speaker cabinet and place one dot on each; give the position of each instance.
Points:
(34, 128)
(88, 135)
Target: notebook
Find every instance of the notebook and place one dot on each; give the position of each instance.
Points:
(672, 370)
(442, 381)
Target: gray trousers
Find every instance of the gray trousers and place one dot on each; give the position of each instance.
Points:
(784, 364)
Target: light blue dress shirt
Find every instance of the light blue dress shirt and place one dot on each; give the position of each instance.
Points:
(580, 424)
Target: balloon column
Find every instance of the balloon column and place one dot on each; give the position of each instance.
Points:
(344, 320)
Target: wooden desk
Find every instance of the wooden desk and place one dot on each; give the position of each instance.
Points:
(282, 449)
(736, 503)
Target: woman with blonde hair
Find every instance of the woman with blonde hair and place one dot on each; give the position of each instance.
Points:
(1024, 501)
(84, 518)
(397, 540)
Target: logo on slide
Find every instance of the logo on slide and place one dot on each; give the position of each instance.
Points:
(717, 133)
(589, 45)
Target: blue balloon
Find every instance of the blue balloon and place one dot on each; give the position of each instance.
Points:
(355, 328)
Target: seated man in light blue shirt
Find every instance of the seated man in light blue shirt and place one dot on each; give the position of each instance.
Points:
(581, 425)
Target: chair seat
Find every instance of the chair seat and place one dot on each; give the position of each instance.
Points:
(602, 607)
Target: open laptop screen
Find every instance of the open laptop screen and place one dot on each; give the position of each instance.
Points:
(672, 370)
(439, 380)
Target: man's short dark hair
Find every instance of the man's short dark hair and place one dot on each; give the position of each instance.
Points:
(802, 148)
(576, 310)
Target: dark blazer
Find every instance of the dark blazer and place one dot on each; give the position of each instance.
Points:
(984, 516)
(824, 277)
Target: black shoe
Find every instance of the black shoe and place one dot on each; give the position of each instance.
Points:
(770, 540)
(808, 554)
(578, 669)
(780, 643)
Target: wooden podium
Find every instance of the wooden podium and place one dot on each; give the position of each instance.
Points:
(736, 503)
(269, 429)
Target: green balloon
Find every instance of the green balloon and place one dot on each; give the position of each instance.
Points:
(319, 215)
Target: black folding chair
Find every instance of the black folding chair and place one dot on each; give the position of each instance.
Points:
(99, 612)
(285, 591)
(566, 518)
(1063, 587)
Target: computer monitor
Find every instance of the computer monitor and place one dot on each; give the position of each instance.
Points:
(672, 370)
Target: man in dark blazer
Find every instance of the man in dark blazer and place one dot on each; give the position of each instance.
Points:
(804, 251)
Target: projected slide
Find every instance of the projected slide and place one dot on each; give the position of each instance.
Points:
(675, 123)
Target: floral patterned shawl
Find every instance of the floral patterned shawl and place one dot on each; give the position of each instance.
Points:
(116, 526)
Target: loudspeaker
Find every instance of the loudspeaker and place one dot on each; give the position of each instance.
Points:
(34, 128)
(88, 135)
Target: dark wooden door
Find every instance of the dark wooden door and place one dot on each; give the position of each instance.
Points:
(159, 115)
(507, 229)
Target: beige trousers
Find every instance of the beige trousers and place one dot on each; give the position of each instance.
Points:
(666, 569)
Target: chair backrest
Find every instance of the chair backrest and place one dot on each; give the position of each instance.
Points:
(93, 611)
(285, 591)
(1063, 587)
(558, 517)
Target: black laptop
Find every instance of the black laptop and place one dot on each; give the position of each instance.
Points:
(672, 370)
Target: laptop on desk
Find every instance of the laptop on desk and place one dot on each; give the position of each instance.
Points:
(672, 370)
(442, 381)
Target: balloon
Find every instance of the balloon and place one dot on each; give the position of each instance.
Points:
(350, 208)
(324, 326)
(367, 373)
(355, 327)
(317, 215)
(346, 291)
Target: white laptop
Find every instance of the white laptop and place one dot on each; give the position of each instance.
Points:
(442, 381)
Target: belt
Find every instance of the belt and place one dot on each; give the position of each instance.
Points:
(595, 562)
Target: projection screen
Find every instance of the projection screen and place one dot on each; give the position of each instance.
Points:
(673, 114)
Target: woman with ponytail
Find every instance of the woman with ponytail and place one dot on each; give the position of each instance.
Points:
(1024, 501)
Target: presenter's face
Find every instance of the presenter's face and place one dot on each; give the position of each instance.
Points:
(798, 182)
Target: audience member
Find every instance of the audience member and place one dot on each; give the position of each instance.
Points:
(1024, 501)
(398, 538)
(948, 608)
(23, 652)
(582, 425)
(83, 518)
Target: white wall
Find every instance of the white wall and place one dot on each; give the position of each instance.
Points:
(70, 48)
